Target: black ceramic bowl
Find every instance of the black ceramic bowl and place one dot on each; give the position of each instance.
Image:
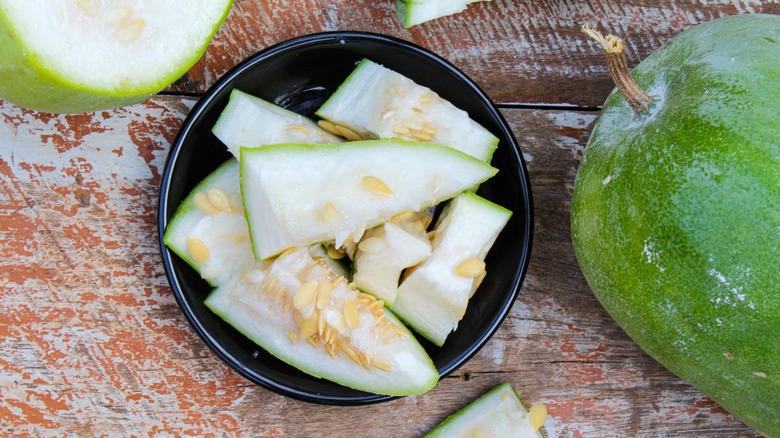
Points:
(299, 75)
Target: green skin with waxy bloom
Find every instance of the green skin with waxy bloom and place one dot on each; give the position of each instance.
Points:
(676, 213)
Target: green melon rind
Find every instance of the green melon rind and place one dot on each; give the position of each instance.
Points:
(312, 168)
(187, 216)
(432, 302)
(419, 376)
(34, 86)
(497, 413)
(676, 228)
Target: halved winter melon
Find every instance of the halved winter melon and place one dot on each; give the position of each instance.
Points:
(299, 311)
(298, 195)
(376, 102)
(76, 56)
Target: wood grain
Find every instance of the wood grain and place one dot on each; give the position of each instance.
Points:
(93, 343)
(519, 51)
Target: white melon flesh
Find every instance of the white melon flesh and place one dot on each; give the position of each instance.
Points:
(299, 311)
(414, 12)
(377, 102)
(298, 195)
(384, 252)
(249, 121)
(497, 413)
(75, 56)
(209, 229)
(434, 297)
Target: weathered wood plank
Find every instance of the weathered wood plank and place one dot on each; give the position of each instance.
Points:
(517, 51)
(92, 341)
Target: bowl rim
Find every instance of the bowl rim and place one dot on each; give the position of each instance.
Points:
(312, 40)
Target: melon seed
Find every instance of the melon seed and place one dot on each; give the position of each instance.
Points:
(372, 245)
(470, 268)
(120, 13)
(87, 6)
(304, 296)
(201, 200)
(538, 413)
(351, 315)
(219, 199)
(308, 327)
(128, 32)
(329, 214)
(376, 186)
(402, 216)
(324, 290)
(198, 250)
(335, 319)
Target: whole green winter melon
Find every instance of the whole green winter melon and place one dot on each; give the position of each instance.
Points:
(676, 213)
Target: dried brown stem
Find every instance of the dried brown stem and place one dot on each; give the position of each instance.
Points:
(618, 69)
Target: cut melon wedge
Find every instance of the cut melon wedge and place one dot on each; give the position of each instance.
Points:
(299, 311)
(376, 102)
(209, 229)
(298, 195)
(497, 413)
(85, 55)
(249, 121)
(434, 297)
(383, 253)
(414, 12)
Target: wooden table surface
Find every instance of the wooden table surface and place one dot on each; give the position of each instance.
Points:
(93, 343)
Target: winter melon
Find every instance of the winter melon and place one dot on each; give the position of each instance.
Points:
(376, 102)
(298, 195)
(249, 121)
(305, 315)
(497, 413)
(209, 229)
(433, 298)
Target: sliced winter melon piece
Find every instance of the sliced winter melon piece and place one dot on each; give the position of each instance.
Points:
(299, 311)
(376, 102)
(298, 195)
(497, 413)
(249, 121)
(77, 56)
(433, 298)
(383, 253)
(209, 229)
(414, 12)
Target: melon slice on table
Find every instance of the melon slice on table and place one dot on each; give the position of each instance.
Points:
(376, 102)
(497, 413)
(298, 195)
(249, 121)
(414, 12)
(302, 313)
(433, 298)
(77, 56)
